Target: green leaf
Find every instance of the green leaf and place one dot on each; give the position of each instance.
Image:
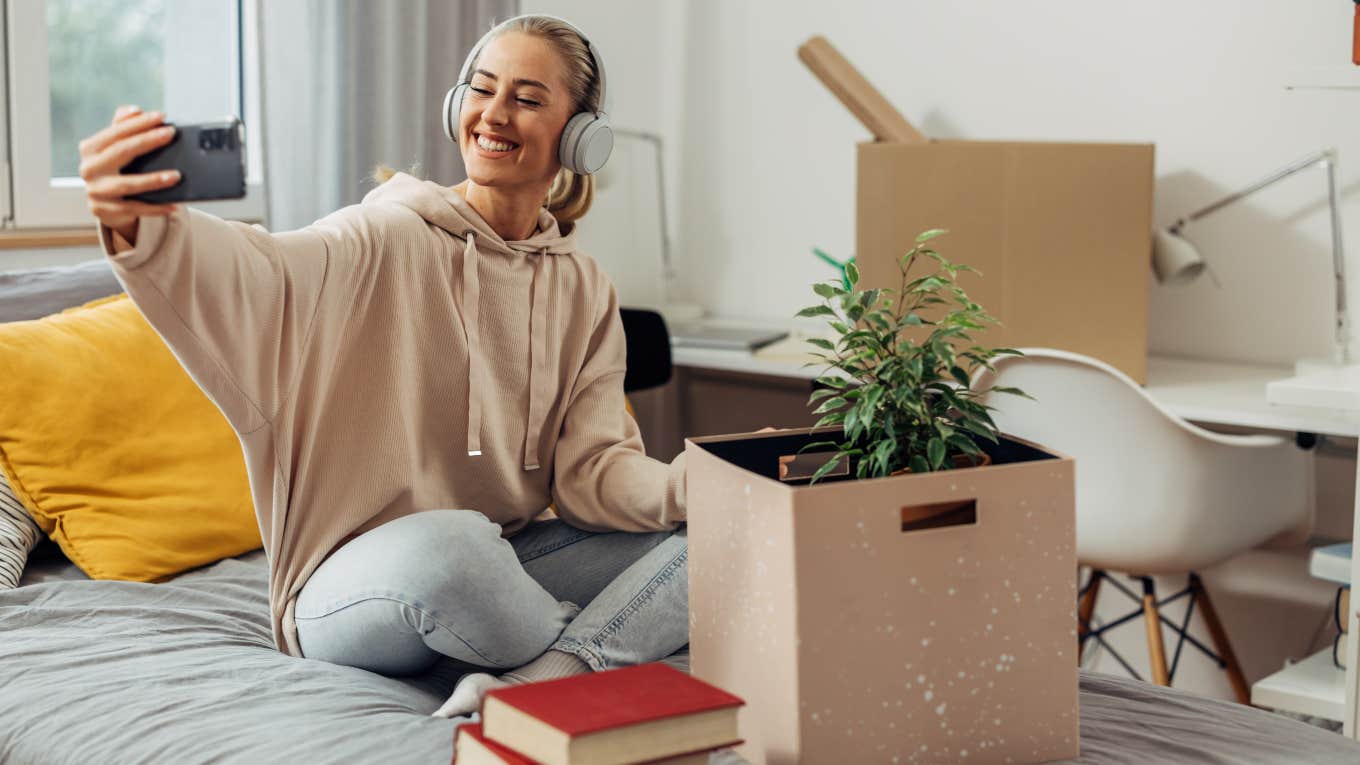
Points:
(964, 444)
(817, 310)
(835, 418)
(926, 284)
(827, 290)
(826, 468)
(820, 394)
(935, 450)
(960, 375)
(1011, 391)
(821, 342)
(851, 424)
(979, 430)
(852, 272)
(830, 404)
(918, 464)
(926, 236)
(872, 398)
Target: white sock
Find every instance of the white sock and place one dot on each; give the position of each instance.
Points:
(471, 689)
(550, 666)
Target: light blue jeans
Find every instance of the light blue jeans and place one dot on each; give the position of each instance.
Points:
(445, 583)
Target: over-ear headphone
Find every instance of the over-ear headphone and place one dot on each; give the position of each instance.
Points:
(587, 139)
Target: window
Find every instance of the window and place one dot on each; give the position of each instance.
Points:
(72, 62)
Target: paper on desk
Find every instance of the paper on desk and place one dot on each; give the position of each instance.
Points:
(793, 349)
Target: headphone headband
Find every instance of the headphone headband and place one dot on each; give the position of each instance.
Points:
(465, 74)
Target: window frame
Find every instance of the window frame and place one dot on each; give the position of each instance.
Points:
(32, 197)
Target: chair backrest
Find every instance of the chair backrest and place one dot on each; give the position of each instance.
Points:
(1155, 494)
(649, 349)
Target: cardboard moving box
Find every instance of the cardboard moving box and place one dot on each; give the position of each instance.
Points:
(1060, 231)
(858, 632)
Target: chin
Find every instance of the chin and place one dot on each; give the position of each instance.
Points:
(503, 177)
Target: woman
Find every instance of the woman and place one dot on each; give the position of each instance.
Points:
(413, 380)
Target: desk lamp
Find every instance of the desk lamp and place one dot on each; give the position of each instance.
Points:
(1176, 260)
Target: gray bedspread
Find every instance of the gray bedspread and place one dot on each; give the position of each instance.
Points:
(185, 672)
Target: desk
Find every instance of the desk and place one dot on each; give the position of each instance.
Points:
(1210, 392)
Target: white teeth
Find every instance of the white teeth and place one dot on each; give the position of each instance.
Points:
(490, 145)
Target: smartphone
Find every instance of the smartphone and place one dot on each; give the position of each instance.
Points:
(210, 158)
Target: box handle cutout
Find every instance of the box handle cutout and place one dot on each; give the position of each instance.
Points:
(939, 514)
(800, 467)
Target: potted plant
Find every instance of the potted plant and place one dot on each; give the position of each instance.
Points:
(903, 404)
(873, 616)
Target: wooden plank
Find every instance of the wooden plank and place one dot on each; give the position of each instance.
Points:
(859, 96)
(23, 239)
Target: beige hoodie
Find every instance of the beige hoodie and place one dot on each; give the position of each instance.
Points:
(399, 356)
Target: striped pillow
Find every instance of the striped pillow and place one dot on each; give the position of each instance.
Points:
(18, 536)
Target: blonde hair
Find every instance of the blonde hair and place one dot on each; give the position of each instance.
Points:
(570, 195)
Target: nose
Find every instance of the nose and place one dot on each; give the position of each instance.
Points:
(496, 112)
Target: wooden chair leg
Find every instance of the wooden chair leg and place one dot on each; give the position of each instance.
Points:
(1156, 647)
(1220, 637)
(1087, 609)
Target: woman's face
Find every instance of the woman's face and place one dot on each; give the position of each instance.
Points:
(514, 113)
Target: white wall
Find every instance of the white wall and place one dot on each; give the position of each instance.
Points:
(767, 165)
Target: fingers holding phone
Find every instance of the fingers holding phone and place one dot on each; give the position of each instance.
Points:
(103, 156)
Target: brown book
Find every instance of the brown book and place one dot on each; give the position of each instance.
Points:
(1343, 609)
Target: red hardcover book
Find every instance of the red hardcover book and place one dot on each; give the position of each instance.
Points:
(473, 748)
(648, 712)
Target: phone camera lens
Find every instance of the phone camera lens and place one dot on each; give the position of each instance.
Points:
(211, 140)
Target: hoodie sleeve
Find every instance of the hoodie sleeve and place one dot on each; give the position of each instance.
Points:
(603, 481)
(234, 303)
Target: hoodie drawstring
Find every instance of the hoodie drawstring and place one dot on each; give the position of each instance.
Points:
(539, 378)
(471, 306)
(538, 373)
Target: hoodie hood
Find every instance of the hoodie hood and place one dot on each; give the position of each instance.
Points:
(446, 208)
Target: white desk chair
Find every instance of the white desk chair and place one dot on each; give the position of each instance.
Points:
(1154, 493)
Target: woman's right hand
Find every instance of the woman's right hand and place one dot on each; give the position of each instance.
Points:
(102, 155)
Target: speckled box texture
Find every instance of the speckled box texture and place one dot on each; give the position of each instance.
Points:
(853, 640)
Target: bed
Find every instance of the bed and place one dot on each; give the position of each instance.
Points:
(184, 672)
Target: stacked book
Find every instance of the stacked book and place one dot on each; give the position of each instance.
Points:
(645, 714)
(1343, 607)
(1333, 563)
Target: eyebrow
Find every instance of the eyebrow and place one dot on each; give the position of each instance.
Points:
(518, 81)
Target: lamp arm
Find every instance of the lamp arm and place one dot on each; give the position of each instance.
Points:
(659, 146)
(1343, 330)
(1326, 157)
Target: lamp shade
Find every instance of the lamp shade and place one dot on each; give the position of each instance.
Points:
(1174, 259)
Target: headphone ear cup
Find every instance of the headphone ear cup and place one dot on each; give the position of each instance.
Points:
(587, 142)
(571, 135)
(453, 107)
(595, 146)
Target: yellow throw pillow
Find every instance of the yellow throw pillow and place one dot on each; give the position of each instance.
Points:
(115, 451)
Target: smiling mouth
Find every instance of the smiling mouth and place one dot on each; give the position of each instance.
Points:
(495, 145)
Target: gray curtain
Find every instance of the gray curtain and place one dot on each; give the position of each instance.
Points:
(351, 84)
